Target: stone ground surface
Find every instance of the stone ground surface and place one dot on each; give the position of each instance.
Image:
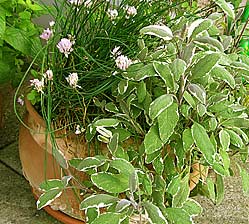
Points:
(17, 205)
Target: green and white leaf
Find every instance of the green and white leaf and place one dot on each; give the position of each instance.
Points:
(167, 121)
(205, 65)
(51, 184)
(222, 74)
(122, 205)
(108, 217)
(203, 142)
(141, 91)
(85, 164)
(226, 7)
(224, 139)
(209, 41)
(123, 86)
(152, 140)
(178, 216)
(160, 31)
(178, 68)
(198, 26)
(106, 122)
(245, 181)
(235, 139)
(198, 92)
(190, 100)
(192, 207)
(187, 139)
(160, 104)
(163, 70)
(155, 215)
(139, 71)
(109, 182)
(113, 144)
(48, 197)
(98, 201)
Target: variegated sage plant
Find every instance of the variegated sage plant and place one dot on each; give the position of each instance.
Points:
(170, 96)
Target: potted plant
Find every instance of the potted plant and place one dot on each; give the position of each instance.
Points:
(131, 113)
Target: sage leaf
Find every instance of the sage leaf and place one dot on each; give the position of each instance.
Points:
(51, 184)
(133, 181)
(123, 86)
(155, 215)
(178, 68)
(85, 164)
(187, 139)
(98, 201)
(123, 166)
(113, 144)
(91, 214)
(198, 26)
(167, 122)
(182, 194)
(160, 31)
(163, 70)
(107, 218)
(122, 205)
(109, 182)
(198, 92)
(204, 65)
(192, 207)
(106, 122)
(224, 139)
(190, 100)
(152, 141)
(178, 216)
(211, 189)
(226, 7)
(203, 142)
(139, 71)
(222, 74)
(236, 122)
(235, 139)
(210, 41)
(141, 92)
(160, 104)
(219, 186)
(48, 197)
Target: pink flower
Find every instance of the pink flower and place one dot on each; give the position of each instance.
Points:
(20, 101)
(131, 11)
(123, 62)
(48, 74)
(72, 79)
(46, 34)
(112, 13)
(38, 85)
(65, 46)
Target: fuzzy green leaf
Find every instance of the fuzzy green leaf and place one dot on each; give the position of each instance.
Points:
(107, 218)
(85, 164)
(210, 41)
(178, 67)
(141, 92)
(226, 7)
(51, 184)
(219, 186)
(178, 216)
(152, 141)
(163, 70)
(192, 207)
(167, 122)
(98, 201)
(187, 139)
(106, 122)
(48, 197)
(163, 32)
(159, 105)
(198, 26)
(204, 65)
(245, 181)
(203, 142)
(222, 74)
(224, 139)
(139, 71)
(154, 213)
(198, 92)
(113, 144)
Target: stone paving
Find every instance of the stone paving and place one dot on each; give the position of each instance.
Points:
(17, 205)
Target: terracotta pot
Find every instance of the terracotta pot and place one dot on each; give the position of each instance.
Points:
(38, 165)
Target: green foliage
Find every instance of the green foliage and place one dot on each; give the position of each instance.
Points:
(177, 101)
(19, 39)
